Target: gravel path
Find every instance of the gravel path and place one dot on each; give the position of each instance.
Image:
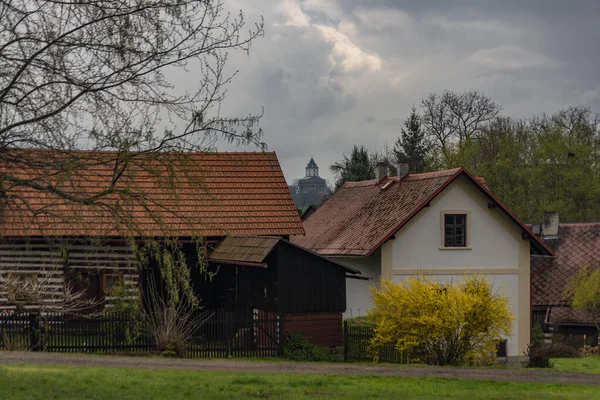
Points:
(515, 375)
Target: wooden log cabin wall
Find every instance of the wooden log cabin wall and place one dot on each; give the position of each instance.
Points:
(101, 270)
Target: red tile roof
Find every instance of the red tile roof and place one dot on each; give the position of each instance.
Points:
(569, 316)
(577, 246)
(361, 216)
(176, 194)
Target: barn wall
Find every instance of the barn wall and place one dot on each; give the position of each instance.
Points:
(308, 283)
(26, 259)
(58, 264)
(321, 329)
(239, 287)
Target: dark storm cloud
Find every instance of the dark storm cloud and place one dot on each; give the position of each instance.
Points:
(331, 74)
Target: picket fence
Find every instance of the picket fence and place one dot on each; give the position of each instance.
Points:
(224, 334)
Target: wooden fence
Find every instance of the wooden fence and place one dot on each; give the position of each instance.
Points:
(224, 334)
(356, 346)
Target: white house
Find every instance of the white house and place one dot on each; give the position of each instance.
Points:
(444, 224)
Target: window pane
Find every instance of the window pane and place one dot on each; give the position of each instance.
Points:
(455, 234)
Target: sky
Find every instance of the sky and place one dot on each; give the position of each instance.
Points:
(334, 73)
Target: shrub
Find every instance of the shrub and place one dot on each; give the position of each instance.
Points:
(537, 336)
(440, 324)
(298, 348)
(539, 357)
(562, 350)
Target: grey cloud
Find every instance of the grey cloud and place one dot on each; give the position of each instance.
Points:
(347, 72)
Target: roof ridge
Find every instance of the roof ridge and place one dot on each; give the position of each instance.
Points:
(39, 150)
(419, 176)
(433, 174)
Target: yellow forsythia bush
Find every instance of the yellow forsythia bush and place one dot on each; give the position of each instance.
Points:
(440, 324)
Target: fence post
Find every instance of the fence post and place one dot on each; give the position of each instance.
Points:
(346, 345)
(281, 334)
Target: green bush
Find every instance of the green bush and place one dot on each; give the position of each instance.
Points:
(537, 336)
(298, 348)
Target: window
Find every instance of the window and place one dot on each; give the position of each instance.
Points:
(455, 230)
(112, 283)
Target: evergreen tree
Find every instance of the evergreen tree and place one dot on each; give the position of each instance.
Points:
(410, 147)
(359, 167)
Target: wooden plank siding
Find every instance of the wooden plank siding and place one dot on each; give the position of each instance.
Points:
(56, 265)
(321, 329)
(308, 283)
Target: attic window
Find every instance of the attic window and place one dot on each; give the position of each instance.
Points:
(455, 230)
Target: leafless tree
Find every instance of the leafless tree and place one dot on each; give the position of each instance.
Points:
(452, 117)
(98, 75)
(470, 111)
(39, 292)
(437, 120)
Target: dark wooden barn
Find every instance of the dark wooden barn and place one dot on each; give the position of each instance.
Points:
(272, 275)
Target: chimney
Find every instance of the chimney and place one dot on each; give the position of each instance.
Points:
(380, 171)
(550, 224)
(401, 170)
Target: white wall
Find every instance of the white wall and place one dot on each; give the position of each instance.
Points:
(504, 284)
(358, 292)
(417, 244)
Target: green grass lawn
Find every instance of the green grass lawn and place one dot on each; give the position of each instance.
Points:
(19, 382)
(591, 365)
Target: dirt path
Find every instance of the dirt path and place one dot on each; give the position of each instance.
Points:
(516, 375)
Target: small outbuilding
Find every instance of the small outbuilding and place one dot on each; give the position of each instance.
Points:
(272, 275)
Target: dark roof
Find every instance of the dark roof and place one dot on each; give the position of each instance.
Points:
(361, 216)
(255, 249)
(182, 194)
(577, 246)
(312, 164)
(311, 180)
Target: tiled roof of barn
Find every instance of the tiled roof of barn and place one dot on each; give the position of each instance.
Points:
(170, 194)
(577, 246)
(255, 249)
(246, 249)
(361, 216)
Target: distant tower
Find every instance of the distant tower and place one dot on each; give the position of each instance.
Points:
(311, 188)
(311, 168)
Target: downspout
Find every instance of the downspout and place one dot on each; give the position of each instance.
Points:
(547, 316)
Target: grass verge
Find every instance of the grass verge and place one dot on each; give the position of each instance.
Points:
(19, 382)
(590, 365)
